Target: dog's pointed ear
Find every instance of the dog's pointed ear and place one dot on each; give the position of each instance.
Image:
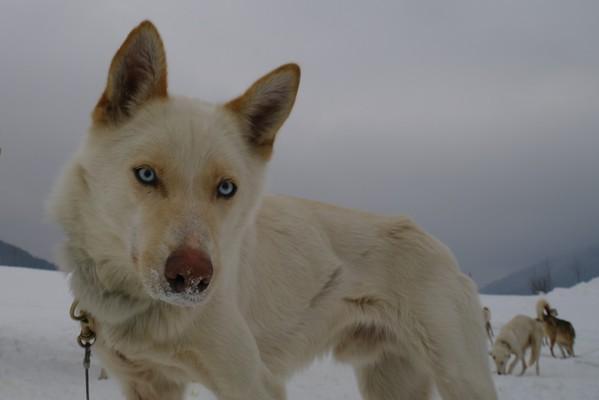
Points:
(265, 106)
(137, 74)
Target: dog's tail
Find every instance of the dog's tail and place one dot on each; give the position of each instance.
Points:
(572, 331)
(542, 308)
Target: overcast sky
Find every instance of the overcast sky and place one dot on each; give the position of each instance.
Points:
(480, 119)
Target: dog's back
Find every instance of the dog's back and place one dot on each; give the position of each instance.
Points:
(564, 330)
(517, 332)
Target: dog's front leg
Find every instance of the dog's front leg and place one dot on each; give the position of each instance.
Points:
(152, 389)
(513, 364)
(229, 353)
(139, 381)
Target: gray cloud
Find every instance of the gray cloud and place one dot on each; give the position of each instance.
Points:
(479, 119)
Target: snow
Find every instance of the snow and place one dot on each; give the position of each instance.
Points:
(39, 358)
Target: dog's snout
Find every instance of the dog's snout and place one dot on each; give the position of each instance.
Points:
(188, 269)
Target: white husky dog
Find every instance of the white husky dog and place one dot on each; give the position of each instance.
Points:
(515, 337)
(191, 274)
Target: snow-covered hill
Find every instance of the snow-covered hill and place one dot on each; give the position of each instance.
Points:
(39, 358)
(566, 270)
(14, 255)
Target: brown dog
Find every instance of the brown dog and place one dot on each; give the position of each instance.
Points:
(557, 330)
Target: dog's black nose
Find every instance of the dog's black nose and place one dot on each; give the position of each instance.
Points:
(188, 269)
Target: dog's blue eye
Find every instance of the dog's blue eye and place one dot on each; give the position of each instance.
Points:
(226, 189)
(146, 175)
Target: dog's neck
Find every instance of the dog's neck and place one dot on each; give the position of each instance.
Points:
(105, 304)
(505, 344)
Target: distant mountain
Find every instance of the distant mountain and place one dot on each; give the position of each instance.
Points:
(561, 271)
(17, 257)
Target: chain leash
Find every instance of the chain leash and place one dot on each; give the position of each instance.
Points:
(86, 338)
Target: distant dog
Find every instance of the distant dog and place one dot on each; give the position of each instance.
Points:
(191, 274)
(557, 330)
(488, 327)
(515, 337)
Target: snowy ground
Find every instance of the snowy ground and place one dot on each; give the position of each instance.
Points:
(40, 360)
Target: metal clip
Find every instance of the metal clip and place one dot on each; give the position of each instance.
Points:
(87, 336)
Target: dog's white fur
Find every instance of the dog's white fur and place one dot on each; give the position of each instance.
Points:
(293, 279)
(515, 338)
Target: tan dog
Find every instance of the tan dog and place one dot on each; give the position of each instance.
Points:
(192, 275)
(488, 327)
(515, 337)
(557, 330)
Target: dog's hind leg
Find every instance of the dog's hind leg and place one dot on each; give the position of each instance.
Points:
(570, 349)
(461, 372)
(561, 349)
(523, 365)
(394, 378)
(551, 344)
(535, 352)
(451, 336)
